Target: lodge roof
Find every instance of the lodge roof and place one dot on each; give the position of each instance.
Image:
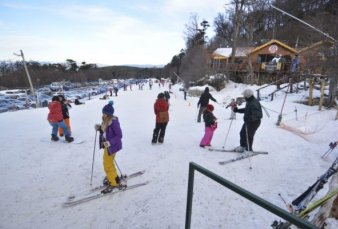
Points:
(272, 42)
(224, 53)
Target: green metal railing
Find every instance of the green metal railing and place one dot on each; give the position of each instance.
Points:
(246, 194)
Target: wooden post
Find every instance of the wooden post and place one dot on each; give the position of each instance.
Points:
(321, 95)
(310, 92)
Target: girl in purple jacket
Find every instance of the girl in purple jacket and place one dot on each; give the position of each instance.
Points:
(110, 140)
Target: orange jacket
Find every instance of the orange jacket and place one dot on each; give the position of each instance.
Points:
(161, 108)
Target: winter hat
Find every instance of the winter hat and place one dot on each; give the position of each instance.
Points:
(108, 109)
(111, 102)
(247, 93)
(160, 95)
(210, 107)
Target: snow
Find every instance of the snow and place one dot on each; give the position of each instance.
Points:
(37, 177)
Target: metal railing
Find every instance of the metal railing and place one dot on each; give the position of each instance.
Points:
(244, 193)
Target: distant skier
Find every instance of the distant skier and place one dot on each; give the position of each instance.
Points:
(203, 102)
(111, 142)
(115, 90)
(161, 108)
(55, 119)
(210, 126)
(65, 113)
(167, 95)
(233, 105)
(252, 120)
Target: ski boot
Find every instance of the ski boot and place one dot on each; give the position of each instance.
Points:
(160, 140)
(54, 138)
(121, 182)
(108, 189)
(239, 149)
(69, 138)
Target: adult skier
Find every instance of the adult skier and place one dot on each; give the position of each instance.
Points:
(252, 120)
(161, 108)
(203, 102)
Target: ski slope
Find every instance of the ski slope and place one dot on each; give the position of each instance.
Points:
(37, 177)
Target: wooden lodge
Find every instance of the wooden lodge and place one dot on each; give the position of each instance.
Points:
(272, 57)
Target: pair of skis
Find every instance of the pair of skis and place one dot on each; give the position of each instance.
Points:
(300, 204)
(241, 157)
(95, 193)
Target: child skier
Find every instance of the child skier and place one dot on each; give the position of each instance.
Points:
(65, 104)
(55, 119)
(210, 126)
(233, 105)
(110, 141)
(161, 108)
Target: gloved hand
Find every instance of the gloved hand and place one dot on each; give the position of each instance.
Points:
(235, 109)
(333, 145)
(106, 144)
(214, 126)
(97, 127)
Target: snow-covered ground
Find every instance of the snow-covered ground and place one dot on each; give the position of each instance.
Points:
(37, 177)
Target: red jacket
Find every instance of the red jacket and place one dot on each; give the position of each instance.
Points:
(55, 112)
(161, 108)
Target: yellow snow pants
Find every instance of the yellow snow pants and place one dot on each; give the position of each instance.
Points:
(109, 167)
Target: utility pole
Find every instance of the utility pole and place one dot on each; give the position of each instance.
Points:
(28, 76)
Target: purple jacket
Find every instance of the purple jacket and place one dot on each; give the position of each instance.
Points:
(114, 136)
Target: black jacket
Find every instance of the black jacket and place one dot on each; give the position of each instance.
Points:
(204, 99)
(252, 111)
(65, 111)
(209, 118)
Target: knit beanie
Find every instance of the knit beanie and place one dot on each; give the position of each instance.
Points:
(210, 107)
(160, 95)
(247, 93)
(108, 109)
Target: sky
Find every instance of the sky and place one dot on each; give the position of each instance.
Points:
(37, 175)
(145, 32)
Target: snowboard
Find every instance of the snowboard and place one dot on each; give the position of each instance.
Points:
(76, 141)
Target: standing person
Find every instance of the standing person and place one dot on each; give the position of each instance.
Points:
(167, 95)
(233, 105)
(161, 108)
(55, 119)
(116, 90)
(185, 93)
(203, 102)
(252, 120)
(210, 126)
(150, 84)
(65, 112)
(111, 142)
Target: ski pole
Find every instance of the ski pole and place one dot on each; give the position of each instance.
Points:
(266, 112)
(119, 169)
(289, 207)
(91, 177)
(247, 143)
(332, 146)
(227, 134)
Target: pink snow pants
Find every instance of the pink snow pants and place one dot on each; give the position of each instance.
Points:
(206, 140)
